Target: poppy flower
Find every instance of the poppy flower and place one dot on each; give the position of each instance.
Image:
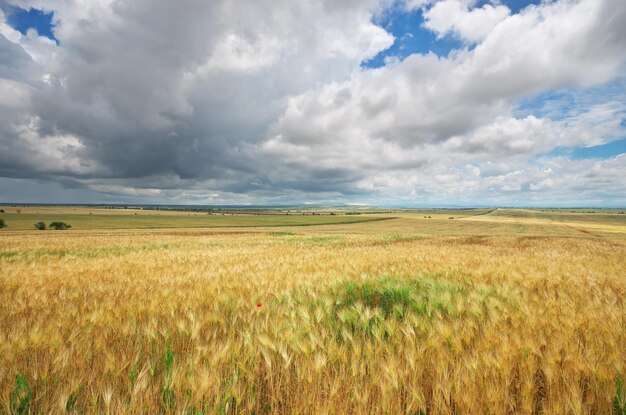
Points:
(259, 304)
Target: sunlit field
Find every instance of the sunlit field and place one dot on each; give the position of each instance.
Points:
(430, 312)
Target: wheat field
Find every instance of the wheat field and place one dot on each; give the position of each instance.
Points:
(410, 315)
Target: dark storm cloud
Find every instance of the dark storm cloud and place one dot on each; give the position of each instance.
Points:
(184, 90)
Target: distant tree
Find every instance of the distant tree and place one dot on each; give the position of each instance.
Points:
(19, 210)
(60, 226)
(2, 224)
(41, 226)
(1, 210)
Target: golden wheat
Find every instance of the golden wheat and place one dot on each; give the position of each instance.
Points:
(349, 322)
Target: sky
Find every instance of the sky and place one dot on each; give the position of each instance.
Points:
(266, 102)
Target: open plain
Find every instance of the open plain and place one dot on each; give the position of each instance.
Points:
(505, 311)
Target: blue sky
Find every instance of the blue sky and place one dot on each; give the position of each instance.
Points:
(411, 36)
(603, 151)
(24, 19)
(567, 104)
(228, 102)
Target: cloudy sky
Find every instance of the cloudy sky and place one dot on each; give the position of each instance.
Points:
(380, 102)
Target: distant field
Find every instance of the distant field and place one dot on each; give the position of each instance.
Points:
(81, 219)
(600, 221)
(615, 216)
(426, 312)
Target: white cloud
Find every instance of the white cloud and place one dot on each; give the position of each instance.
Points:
(457, 17)
(416, 123)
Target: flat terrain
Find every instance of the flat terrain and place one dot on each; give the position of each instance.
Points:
(90, 219)
(507, 311)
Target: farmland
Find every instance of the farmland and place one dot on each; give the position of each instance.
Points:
(92, 219)
(510, 311)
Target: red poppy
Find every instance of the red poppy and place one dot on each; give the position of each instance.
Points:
(259, 304)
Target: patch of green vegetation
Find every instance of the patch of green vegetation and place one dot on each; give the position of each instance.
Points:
(367, 307)
(314, 240)
(395, 297)
(167, 393)
(59, 226)
(619, 401)
(132, 376)
(322, 239)
(281, 233)
(227, 401)
(70, 404)
(21, 396)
